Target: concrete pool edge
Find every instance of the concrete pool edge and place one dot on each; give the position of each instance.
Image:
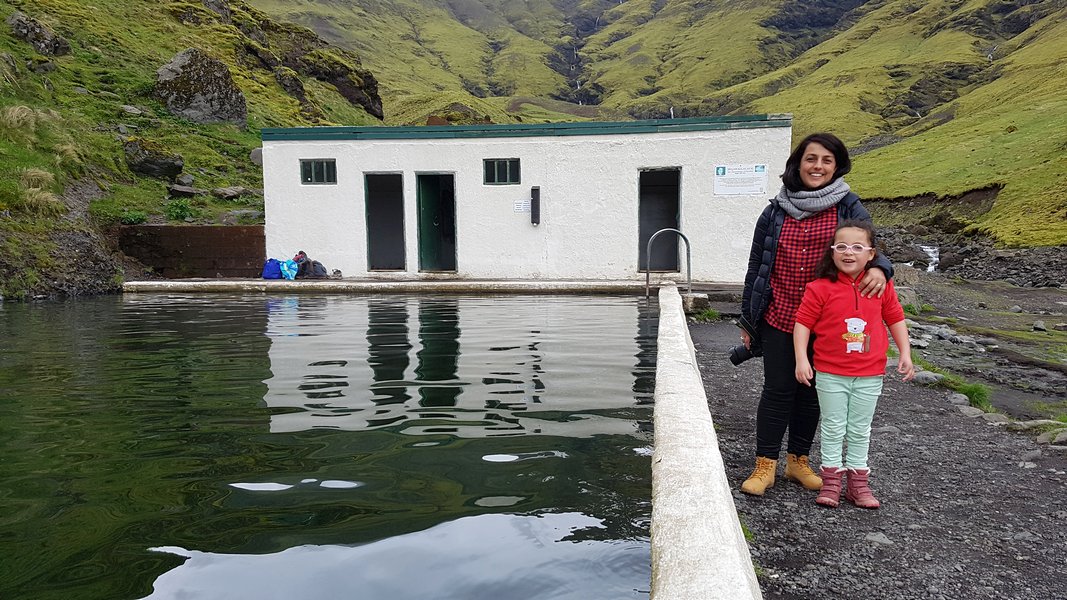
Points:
(698, 547)
(382, 286)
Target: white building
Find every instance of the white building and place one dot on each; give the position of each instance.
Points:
(546, 202)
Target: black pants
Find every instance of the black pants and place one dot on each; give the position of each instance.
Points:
(784, 403)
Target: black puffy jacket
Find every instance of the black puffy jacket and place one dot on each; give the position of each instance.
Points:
(757, 295)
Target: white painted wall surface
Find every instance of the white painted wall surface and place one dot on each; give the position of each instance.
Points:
(589, 199)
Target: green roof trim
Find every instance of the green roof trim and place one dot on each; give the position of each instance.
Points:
(531, 130)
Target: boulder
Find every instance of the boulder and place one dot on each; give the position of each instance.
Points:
(200, 88)
(256, 156)
(184, 191)
(230, 193)
(339, 70)
(147, 158)
(908, 295)
(38, 35)
(905, 276)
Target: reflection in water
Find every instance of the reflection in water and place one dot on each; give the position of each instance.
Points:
(251, 430)
(439, 355)
(565, 368)
(645, 370)
(485, 557)
(388, 349)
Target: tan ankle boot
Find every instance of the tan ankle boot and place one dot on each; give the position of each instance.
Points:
(797, 469)
(762, 477)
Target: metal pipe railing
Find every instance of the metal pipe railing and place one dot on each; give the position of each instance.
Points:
(688, 260)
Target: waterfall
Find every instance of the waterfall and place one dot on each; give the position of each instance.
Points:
(934, 252)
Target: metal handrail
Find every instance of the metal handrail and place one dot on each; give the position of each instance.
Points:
(688, 260)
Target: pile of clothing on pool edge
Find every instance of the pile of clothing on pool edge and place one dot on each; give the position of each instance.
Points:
(297, 267)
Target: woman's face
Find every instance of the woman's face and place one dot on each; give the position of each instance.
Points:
(817, 166)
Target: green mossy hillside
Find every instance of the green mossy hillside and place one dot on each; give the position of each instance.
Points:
(937, 98)
(64, 120)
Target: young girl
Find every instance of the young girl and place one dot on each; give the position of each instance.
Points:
(850, 355)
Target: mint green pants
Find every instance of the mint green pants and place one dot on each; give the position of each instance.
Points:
(847, 405)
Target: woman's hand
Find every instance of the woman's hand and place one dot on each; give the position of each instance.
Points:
(804, 372)
(746, 340)
(873, 283)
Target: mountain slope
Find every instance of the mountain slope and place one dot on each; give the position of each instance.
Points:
(955, 95)
(78, 81)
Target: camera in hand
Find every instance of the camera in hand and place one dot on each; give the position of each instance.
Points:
(739, 353)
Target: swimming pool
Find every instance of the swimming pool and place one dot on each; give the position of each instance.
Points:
(327, 446)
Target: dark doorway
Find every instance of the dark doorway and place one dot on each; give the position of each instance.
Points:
(385, 222)
(658, 209)
(436, 196)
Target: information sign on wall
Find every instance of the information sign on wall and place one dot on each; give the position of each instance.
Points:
(740, 180)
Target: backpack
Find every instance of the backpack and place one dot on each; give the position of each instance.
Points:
(310, 269)
(272, 269)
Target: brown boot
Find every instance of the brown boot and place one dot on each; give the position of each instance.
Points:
(762, 477)
(797, 469)
(830, 494)
(858, 491)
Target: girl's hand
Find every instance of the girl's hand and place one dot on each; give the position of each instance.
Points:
(873, 283)
(804, 372)
(905, 368)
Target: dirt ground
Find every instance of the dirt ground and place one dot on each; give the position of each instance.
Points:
(970, 510)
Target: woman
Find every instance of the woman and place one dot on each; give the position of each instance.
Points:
(790, 237)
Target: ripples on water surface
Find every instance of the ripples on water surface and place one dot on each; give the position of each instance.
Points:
(325, 447)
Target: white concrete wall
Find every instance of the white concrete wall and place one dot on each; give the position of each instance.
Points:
(589, 197)
(698, 547)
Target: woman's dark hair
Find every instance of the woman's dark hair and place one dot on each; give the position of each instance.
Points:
(791, 177)
(826, 267)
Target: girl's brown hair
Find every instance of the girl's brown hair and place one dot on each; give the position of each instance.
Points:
(826, 267)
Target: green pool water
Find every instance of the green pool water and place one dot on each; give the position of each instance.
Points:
(326, 447)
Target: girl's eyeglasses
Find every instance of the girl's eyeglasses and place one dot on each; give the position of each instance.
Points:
(855, 248)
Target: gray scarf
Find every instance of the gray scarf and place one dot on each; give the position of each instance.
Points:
(804, 203)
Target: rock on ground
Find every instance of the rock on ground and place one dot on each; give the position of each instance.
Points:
(970, 510)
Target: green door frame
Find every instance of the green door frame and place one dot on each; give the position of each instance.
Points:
(436, 208)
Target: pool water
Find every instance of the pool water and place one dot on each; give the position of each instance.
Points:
(326, 447)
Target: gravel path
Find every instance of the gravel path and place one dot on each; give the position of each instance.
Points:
(969, 510)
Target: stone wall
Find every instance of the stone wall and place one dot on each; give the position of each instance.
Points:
(182, 251)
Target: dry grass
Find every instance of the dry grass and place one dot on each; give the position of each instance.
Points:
(18, 118)
(68, 157)
(8, 75)
(39, 202)
(36, 178)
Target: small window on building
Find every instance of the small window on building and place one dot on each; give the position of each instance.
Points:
(318, 171)
(501, 171)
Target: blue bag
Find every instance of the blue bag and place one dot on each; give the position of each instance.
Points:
(272, 269)
(289, 268)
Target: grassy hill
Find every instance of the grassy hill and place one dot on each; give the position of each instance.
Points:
(64, 119)
(936, 98)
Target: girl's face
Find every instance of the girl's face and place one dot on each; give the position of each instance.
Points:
(850, 262)
(817, 166)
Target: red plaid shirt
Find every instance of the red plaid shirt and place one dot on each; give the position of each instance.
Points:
(800, 246)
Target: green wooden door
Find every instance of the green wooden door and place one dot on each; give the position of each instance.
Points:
(437, 222)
